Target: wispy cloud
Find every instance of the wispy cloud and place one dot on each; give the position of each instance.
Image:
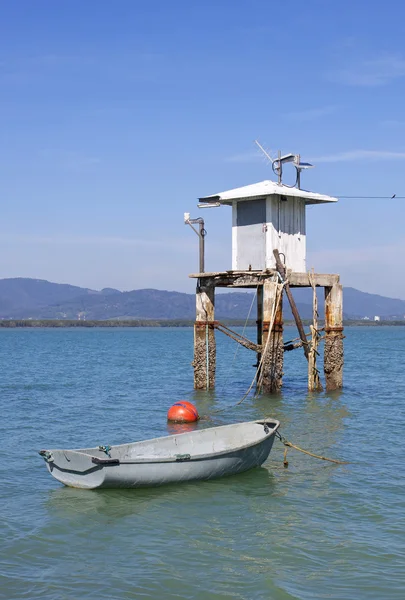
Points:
(311, 114)
(53, 60)
(392, 123)
(28, 69)
(69, 160)
(245, 157)
(370, 73)
(363, 254)
(359, 155)
(346, 156)
(143, 66)
(358, 266)
(75, 240)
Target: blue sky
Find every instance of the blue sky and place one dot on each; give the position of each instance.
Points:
(116, 116)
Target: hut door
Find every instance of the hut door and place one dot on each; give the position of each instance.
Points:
(251, 234)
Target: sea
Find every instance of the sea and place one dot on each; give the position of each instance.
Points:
(314, 530)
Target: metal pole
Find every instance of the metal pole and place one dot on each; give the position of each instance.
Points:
(280, 172)
(201, 236)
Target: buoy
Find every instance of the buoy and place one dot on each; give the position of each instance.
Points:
(183, 412)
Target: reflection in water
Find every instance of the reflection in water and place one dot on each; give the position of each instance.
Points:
(207, 401)
(115, 503)
(176, 428)
(306, 532)
(119, 503)
(310, 419)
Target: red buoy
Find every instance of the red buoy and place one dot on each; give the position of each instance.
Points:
(183, 412)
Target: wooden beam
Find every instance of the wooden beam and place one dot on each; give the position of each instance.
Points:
(320, 279)
(255, 278)
(247, 279)
(237, 337)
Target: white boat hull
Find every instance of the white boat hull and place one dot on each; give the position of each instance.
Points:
(198, 455)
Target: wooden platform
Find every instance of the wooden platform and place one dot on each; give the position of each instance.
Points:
(251, 279)
(270, 325)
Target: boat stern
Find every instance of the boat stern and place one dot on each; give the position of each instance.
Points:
(73, 469)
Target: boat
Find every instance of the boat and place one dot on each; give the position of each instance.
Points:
(197, 455)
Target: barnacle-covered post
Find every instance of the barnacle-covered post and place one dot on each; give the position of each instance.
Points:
(271, 376)
(333, 352)
(204, 362)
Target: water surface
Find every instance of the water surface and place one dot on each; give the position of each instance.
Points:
(315, 530)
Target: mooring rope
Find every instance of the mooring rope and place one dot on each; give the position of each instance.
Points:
(259, 377)
(288, 444)
(279, 294)
(280, 287)
(243, 334)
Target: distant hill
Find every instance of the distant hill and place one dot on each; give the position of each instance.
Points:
(21, 294)
(23, 298)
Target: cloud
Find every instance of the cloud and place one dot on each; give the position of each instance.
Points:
(365, 155)
(354, 256)
(74, 240)
(53, 60)
(358, 267)
(68, 159)
(22, 70)
(392, 123)
(346, 156)
(371, 73)
(311, 114)
(245, 157)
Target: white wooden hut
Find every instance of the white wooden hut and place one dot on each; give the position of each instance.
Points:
(268, 216)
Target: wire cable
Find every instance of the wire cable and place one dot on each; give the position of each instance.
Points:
(394, 197)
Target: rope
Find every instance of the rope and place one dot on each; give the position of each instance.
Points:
(279, 293)
(307, 334)
(288, 444)
(243, 335)
(106, 449)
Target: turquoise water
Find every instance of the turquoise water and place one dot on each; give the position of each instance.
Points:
(315, 530)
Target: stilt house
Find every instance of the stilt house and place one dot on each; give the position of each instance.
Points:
(268, 216)
(268, 253)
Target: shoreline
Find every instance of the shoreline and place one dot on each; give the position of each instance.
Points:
(67, 323)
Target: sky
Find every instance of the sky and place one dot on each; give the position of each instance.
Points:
(116, 116)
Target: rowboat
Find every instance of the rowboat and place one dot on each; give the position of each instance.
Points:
(196, 455)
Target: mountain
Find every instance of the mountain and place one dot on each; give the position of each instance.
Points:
(21, 294)
(23, 298)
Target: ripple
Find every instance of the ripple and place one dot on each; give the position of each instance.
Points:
(314, 530)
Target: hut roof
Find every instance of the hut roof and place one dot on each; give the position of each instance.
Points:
(267, 188)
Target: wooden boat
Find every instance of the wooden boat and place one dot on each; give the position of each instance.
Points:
(196, 455)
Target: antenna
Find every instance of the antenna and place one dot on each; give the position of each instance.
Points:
(266, 154)
(277, 165)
